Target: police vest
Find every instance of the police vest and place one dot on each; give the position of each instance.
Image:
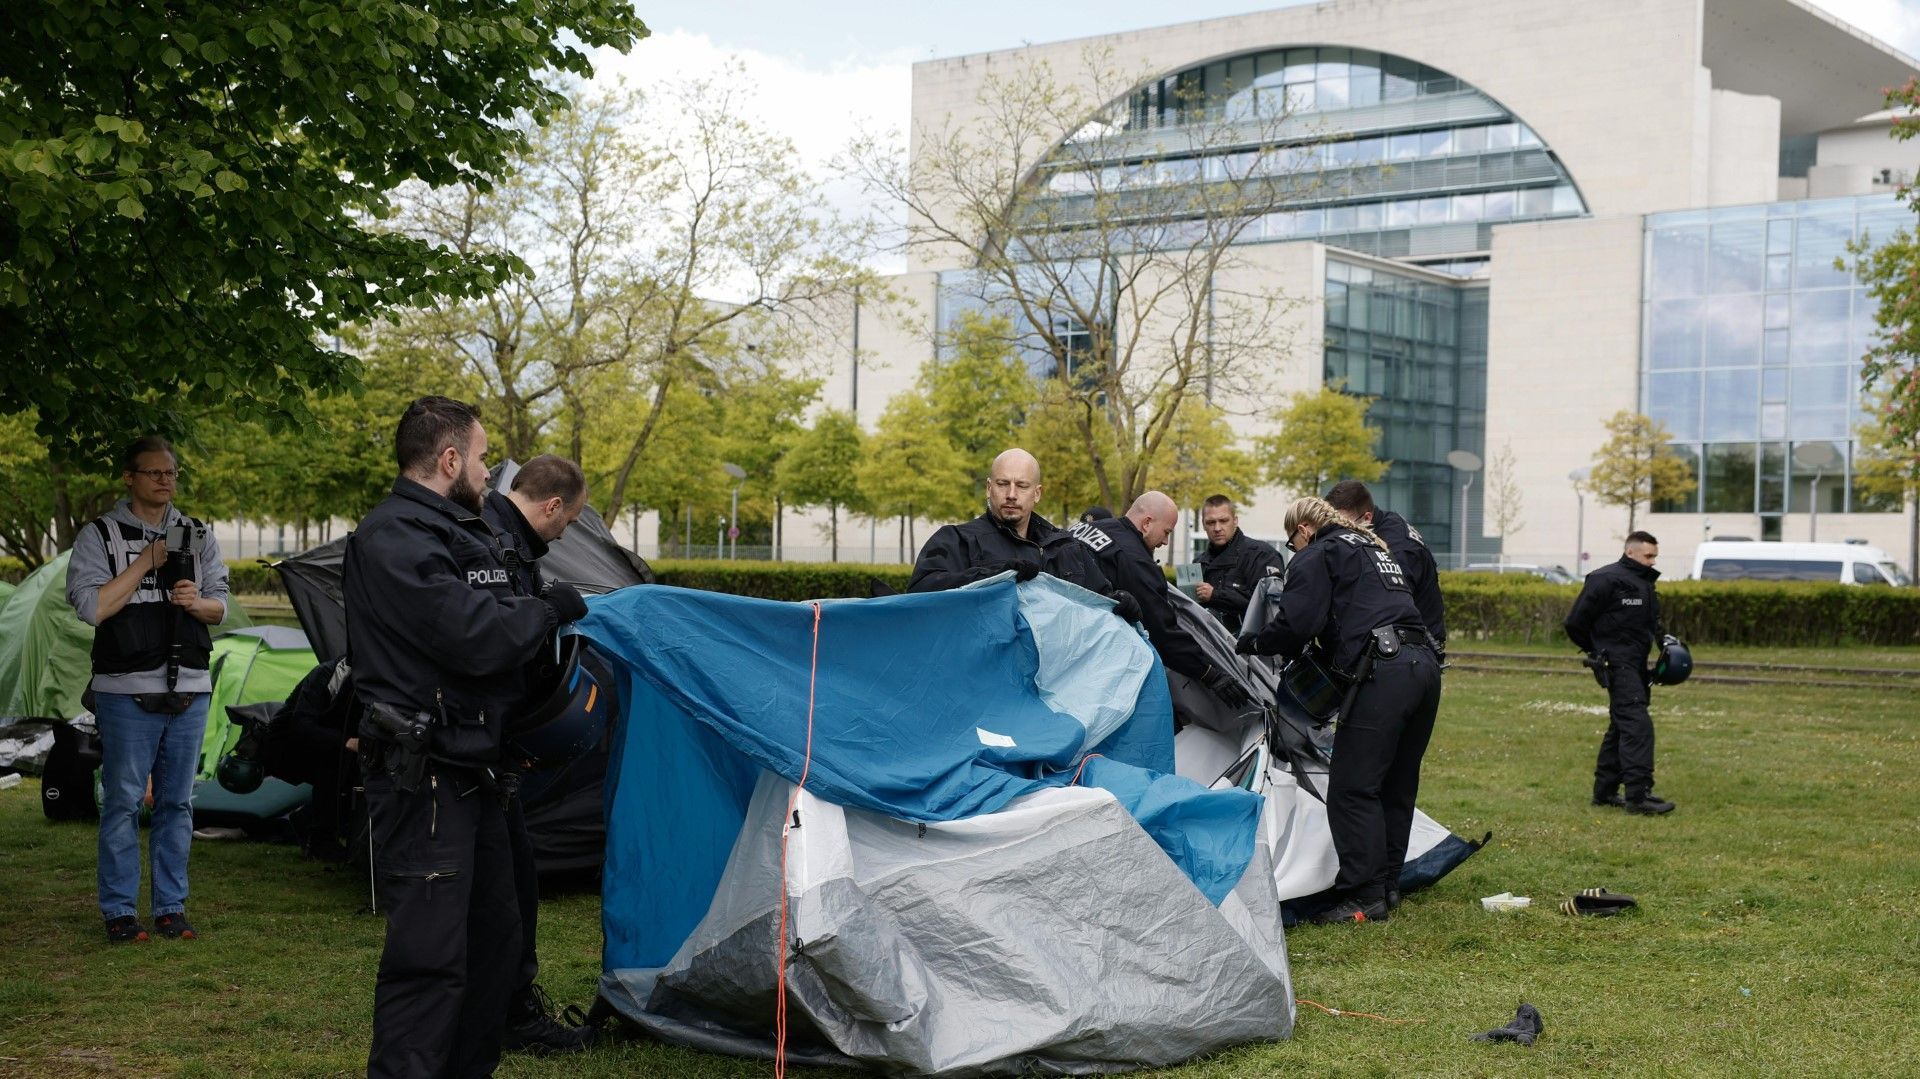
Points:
(140, 637)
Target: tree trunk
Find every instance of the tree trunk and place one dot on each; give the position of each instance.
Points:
(833, 528)
(779, 517)
(913, 545)
(619, 496)
(902, 554)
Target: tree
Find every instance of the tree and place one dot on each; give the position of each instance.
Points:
(910, 468)
(1887, 468)
(819, 469)
(1202, 460)
(194, 191)
(1635, 466)
(1891, 271)
(979, 394)
(1505, 499)
(1116, 275)
(1322, 438)
(1055, 432)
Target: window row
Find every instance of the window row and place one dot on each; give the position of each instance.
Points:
(1750, 477)
(1766, 248)
(1797, 402)
(1314, 79)
(1821, 326)
(1297, 160)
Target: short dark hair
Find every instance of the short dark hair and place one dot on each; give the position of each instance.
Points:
(429, 425)
(1214, 502)
(1642, 537)
(548, 476)
(130, 457)
(1352, 498)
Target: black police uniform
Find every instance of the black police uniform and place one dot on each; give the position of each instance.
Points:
(1617, 619)
(959, 554)
(1337, 592)
(1123, 557)
(1409, 549)
(522, 548)
(1233, 569)
(434, 626)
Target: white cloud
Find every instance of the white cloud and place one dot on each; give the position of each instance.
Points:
(1896, 22)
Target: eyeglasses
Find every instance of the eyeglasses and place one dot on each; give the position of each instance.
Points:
(158, 474)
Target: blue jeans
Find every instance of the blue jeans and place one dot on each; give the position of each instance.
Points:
(136, 744)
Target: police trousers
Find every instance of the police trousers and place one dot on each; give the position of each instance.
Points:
(445, 869)
(526, 888)
(1376, 771)
(1626, 750)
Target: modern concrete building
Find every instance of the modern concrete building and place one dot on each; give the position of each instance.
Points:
(1537, 214)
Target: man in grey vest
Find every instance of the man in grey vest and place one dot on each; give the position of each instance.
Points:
(149, 579)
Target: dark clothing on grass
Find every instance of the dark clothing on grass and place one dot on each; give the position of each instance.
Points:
(961, 554)
(1233, 569)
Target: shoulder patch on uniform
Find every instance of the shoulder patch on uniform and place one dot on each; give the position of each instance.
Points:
(1417, 537)
(1355, 538)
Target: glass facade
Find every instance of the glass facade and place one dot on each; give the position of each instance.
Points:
(1377, 154)
(1751, 350)
(1420, 348)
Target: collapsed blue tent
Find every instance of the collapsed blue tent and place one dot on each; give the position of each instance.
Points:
(991, 867)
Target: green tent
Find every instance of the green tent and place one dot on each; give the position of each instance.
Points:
(250, 666)
(45, 650)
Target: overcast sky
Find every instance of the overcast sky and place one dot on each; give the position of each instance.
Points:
(824, 71)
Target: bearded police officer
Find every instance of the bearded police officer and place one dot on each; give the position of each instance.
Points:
(1409, 548)
(544, 496)
(1615, 621)
(1009, 536)
(1124, 546)
(439, 638)
(1233, 563)
(1348, 603)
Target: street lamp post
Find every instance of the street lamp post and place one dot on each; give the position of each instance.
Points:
(1468, 462)
(733, 516)
(1818, 458)
(1578, 477)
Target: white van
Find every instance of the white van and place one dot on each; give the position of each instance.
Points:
(1743, 560)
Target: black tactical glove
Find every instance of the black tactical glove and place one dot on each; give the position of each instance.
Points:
(1248, 645)
(1226, 686)
(565, 601)
(1024, 569)
(1124, 604)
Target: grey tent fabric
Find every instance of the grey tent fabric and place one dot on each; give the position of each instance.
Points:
(1053, 937)
(312, 581)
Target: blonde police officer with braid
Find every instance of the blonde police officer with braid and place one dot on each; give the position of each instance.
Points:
(1347, 602)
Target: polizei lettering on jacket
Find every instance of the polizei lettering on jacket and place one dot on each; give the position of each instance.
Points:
(1091, 536)
(486, 578)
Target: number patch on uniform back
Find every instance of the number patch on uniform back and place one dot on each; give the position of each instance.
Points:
(1390, 572)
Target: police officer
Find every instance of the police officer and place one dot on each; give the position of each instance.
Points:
(1409, 548)
(439, 640)
(1009, 536)
(1124, 547)
(1615, 621)
(1348, 601)
(545, 496)
(1232, 564)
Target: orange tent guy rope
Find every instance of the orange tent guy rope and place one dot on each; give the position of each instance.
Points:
(1359, 1015)
(786, 827)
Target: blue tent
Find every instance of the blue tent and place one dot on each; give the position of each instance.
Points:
(965, 753)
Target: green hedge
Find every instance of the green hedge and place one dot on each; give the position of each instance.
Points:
(244, 575)
(781, 580)
(1512, 607)
(1480, 606)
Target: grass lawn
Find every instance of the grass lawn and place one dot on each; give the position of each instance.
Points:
(1776, 933)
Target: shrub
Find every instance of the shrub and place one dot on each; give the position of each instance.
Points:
(781, 580)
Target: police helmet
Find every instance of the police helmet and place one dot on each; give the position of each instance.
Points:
(1675, 663)
(570, 718)
(241, 775)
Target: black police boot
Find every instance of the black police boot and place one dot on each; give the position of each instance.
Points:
(532, 1029)
(1648, 804)
(1393, 899)
(1353, 910)
(1609, 798)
